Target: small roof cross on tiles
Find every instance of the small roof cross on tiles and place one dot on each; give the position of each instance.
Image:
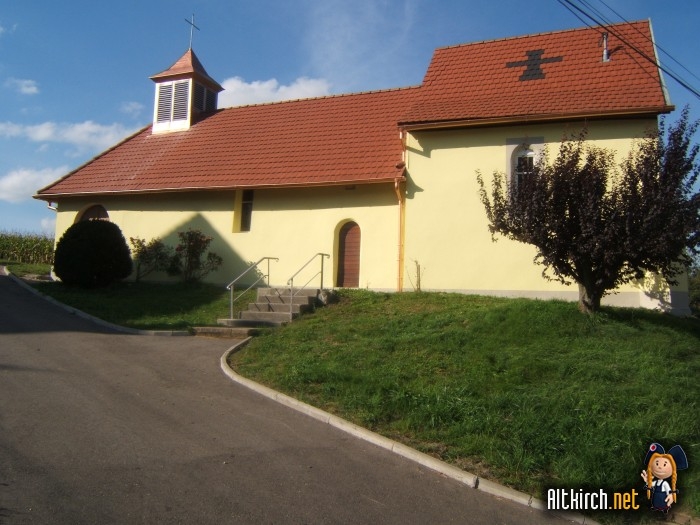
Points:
(192, 28)
(533, 64)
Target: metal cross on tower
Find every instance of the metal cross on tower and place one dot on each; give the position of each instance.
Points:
(192, 28)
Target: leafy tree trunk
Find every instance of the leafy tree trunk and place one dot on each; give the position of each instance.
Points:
(588, 299)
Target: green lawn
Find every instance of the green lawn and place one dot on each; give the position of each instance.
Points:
(530, 393)
(144, 306)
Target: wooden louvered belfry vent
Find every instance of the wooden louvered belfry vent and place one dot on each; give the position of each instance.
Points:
(204, 99)
(183, 92)
(172, 106)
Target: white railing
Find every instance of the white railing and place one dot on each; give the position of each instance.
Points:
(290, 282)
(230, 286)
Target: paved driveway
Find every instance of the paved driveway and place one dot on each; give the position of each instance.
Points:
(102, 428)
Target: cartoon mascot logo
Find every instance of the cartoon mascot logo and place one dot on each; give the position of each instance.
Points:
(661, 474)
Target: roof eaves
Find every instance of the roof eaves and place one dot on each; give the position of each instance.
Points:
(534, 119)
(349, 182)
(93, 159)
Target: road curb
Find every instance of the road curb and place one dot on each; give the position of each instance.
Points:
(79, 313)
(471, 480)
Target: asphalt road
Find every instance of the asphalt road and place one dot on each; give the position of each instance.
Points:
(106, 428)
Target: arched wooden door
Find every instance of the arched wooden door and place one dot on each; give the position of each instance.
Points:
(349, 256)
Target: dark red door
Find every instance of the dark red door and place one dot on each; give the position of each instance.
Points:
(349, 256)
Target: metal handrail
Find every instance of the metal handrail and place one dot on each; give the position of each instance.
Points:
(290, 282)
(230, 286)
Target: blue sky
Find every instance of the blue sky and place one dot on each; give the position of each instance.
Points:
(74, 76)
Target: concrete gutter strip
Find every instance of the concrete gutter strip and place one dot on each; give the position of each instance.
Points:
(450, 471)
(80, 313)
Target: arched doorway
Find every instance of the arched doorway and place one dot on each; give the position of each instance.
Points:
(349, 256)
(94, 213)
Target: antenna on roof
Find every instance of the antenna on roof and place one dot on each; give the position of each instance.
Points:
(192, 28)
(606, 53)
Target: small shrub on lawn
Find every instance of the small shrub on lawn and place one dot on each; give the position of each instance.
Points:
(192, 260)
(151, 256)
(92, 253)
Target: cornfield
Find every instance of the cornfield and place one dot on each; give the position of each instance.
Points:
(26, 248)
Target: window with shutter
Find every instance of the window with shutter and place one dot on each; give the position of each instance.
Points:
(211, 100)
(172, 111)
(200, 97)
(181, 100)
(165, 102)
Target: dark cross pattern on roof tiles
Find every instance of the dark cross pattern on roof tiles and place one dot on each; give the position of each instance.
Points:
(534, 60)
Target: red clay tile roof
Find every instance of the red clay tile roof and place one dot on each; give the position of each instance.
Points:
(354, 139)
(347, 139)
(186, 66)
(551, 75)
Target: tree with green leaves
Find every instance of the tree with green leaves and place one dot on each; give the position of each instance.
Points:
(600, 226)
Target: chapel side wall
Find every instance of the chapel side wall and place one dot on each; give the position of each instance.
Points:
(446, 225)
(291, 224)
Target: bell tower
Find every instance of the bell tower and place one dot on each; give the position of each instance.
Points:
(184, 94)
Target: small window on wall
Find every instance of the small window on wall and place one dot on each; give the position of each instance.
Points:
(524, 165)
(96, 212)
(521, 156)
(243, 211)
(246, 210)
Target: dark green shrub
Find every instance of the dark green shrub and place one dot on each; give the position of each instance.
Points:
(92, 253)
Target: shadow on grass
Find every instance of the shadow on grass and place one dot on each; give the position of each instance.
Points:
(640, 318)
(147, 306)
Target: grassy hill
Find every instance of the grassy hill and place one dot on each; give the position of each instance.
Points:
(530, 393)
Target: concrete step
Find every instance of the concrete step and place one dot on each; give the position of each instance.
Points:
(247, 323)
(236, 332)
(281, 295)
(275, 317)
(296, 308)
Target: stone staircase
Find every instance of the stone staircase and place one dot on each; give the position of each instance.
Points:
(271, 308)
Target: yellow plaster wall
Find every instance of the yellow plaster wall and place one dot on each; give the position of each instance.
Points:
(446, 226)
(291, 224)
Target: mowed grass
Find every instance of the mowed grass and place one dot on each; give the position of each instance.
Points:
(530, 393)
(150, 306)
(21, 269)
(143, 305)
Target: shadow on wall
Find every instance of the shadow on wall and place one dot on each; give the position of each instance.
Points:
(665, 297)
(232, 266)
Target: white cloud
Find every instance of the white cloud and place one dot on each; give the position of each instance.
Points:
(238, 92)
(84, 136)
(23, 86)
(48, 225)
(19, 185)
(4, 29)
(132, 109)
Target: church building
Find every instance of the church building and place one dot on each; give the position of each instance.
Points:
(382, 183)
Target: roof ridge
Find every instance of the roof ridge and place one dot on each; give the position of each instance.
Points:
(322, 97)
(544, 33)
